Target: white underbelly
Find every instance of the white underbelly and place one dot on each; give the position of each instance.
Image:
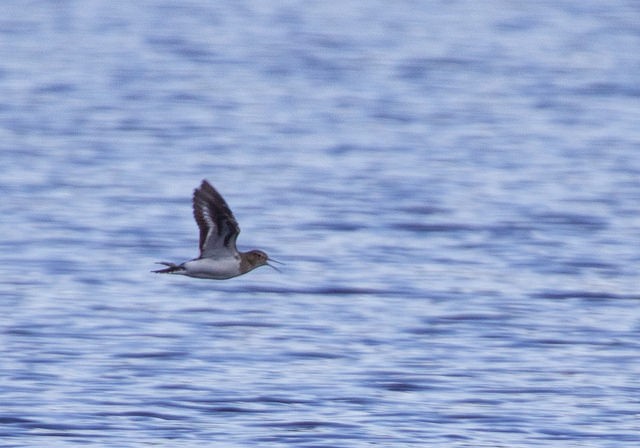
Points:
(213, 268)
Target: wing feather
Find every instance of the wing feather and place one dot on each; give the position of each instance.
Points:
(218, 227)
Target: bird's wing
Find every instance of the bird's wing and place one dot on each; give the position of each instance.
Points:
(218, 228)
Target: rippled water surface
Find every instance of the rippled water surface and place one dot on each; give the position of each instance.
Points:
(453, 187)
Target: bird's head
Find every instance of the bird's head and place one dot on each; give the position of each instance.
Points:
(257, 258)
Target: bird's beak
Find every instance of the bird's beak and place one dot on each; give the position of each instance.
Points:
(274, 261)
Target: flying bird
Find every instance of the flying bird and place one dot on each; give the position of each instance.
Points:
(219, 257)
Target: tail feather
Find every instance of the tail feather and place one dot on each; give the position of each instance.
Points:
(171, 269)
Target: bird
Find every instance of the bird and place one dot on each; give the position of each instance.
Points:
(219, 257)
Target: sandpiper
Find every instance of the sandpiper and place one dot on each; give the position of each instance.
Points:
(219, 258)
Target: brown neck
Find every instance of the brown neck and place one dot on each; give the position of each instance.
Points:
(245, 264)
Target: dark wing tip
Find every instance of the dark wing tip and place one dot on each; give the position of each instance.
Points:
(205, 185)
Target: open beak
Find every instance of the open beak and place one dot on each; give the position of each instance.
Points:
(271, 260)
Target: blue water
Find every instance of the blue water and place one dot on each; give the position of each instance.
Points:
(453, 187)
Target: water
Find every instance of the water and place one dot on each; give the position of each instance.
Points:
(453, 187)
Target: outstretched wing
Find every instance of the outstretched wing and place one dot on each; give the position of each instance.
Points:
(218, 227)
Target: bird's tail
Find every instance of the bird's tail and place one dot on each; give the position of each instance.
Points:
(171, 269)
